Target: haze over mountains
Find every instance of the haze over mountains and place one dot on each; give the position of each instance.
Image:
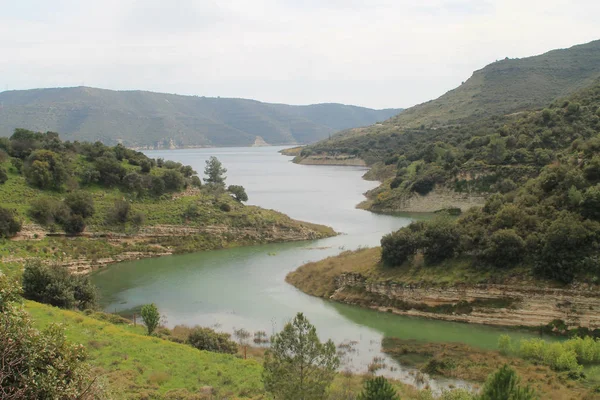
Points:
(159, 120)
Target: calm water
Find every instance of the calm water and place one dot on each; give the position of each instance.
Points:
(245, 287)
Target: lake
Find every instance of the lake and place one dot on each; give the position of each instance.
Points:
(245, 287)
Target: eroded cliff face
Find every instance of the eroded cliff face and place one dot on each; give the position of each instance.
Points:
(489, 304)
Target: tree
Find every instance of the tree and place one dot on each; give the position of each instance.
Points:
(215, 173)
(504, 249)
(119, 213)
(504, 385)
(397, 246)
(38, 365)
(80, 203)
(151, 317)
(9, 224)
(378, 389)
(238, 192)
(73, 224)
(298, 366)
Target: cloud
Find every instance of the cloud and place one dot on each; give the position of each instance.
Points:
(376, 53)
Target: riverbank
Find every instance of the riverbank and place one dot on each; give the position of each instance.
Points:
(96, 249)
(458, 293)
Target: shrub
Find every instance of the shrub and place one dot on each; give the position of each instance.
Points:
(3, 175)
(80, 203)
(238, 192)
(38, 365)
(119, 213)
(174, 180)
(151, 317)
(9, 224)
(47, 211)
(74, 224)
(138, 218)
(57, 287)
(423, 185)
(440, 240)
(45, 169)
(504, 248)
(396, 247)
(209, 340)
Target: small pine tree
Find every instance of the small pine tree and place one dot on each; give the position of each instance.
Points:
(504, 385)
(215, 173)
(298, 366)
(378, 389)
(151, 317)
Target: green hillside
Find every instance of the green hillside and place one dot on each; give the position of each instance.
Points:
(159, 120)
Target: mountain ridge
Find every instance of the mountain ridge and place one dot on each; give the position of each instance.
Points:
(139, 118)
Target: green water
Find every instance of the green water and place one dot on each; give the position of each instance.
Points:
(245, 287)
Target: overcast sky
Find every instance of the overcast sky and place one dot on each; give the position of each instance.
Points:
(375, 53)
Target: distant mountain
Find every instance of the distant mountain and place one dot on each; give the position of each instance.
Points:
(159, 120)
(510, 85)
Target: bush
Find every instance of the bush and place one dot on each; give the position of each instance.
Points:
(238, 192)
(80, 203)
(45, 169)
(119, 213)
(9, 224)
(209, 340)
(38, 365)
(45, 210)
(74, 224)
(57, 287)
(504, 248)
(151, 317)
(3, 175)
(440, 240)
(423, 185)
(396, 247)
(174, 180)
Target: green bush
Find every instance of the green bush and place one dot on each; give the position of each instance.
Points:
(209, 340)
(45, 169)
(238, 192)
(151, 317)
(38, 365)
(398, 246)
(57, 287)
(505, 385)
(81, 203)
(378, 388)
(505, 248)
(119, 214)
(9, 224)
(3, 175)
(74, 224)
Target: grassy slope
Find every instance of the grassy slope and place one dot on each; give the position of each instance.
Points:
(138, 366)
(155, 119)
(135, 364)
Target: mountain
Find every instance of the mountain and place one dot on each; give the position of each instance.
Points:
(510, 85)
(158, 120)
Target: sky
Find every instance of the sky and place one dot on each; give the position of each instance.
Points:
(378, 53)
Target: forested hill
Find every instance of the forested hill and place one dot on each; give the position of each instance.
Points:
(147, 119)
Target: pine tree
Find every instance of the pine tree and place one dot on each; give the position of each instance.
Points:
(215, 173)
(504, 385)
(378, 389)
(298, 366)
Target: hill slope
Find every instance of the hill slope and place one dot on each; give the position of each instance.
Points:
(147, 119)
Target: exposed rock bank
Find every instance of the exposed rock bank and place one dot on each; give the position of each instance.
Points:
(490, 304)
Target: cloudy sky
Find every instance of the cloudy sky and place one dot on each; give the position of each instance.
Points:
(378, 53)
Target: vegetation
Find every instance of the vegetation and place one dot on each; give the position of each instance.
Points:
(378, 389)
(56, 286)
(151, 317)
(38, 364)
(298, 365)
(140, 119)
(504, 384)
(209, 340)
(9, 225)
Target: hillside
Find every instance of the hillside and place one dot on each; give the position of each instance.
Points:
(160, 120)
(86, 205)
